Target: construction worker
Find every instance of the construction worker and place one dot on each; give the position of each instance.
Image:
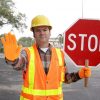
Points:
(44, 68)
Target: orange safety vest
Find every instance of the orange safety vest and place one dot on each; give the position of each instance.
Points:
(39, 86)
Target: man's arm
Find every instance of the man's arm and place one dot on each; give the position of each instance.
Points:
(71, 77)
(84, 72)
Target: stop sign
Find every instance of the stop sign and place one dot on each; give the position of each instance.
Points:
(82, 41)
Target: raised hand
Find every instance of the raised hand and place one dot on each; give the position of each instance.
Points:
(11, 48)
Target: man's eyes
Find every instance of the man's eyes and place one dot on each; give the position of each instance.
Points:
(45, 30)
(41, 30)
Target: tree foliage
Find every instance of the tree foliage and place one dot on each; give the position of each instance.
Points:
(10, 16)
(26, 41)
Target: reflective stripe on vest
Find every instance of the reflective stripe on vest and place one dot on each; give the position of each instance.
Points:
(42, 92)
(58, 51)
(31, 68)
(31, 89)
(22, 98)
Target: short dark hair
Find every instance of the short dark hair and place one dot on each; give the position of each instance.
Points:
(32, 29)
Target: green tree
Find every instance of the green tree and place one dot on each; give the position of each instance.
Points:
(26, 41)
(10, 16)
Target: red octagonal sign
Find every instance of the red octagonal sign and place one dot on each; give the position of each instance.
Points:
(82, 41)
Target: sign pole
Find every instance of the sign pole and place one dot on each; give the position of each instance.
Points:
(86, 79)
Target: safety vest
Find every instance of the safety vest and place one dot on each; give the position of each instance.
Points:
(39, 86)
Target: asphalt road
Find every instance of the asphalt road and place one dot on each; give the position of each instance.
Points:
(11, 81)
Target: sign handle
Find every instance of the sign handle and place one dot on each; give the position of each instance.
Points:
(86, 79)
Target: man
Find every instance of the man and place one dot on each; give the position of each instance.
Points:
(44, 68)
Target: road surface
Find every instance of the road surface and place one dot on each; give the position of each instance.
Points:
(11, 81)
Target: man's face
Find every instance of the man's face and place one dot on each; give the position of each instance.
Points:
(42, 34)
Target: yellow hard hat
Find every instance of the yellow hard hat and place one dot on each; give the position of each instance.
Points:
(40, 20)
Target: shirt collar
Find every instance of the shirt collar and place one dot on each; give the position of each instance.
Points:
(49, 46)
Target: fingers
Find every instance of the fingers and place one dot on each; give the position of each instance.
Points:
(14, 39)
(5, 39)
(9, 39)
(87, 69)
(85, 72)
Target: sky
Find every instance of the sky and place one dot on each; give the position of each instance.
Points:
(61, 13)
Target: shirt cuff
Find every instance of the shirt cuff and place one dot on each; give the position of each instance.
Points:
(13, 63)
